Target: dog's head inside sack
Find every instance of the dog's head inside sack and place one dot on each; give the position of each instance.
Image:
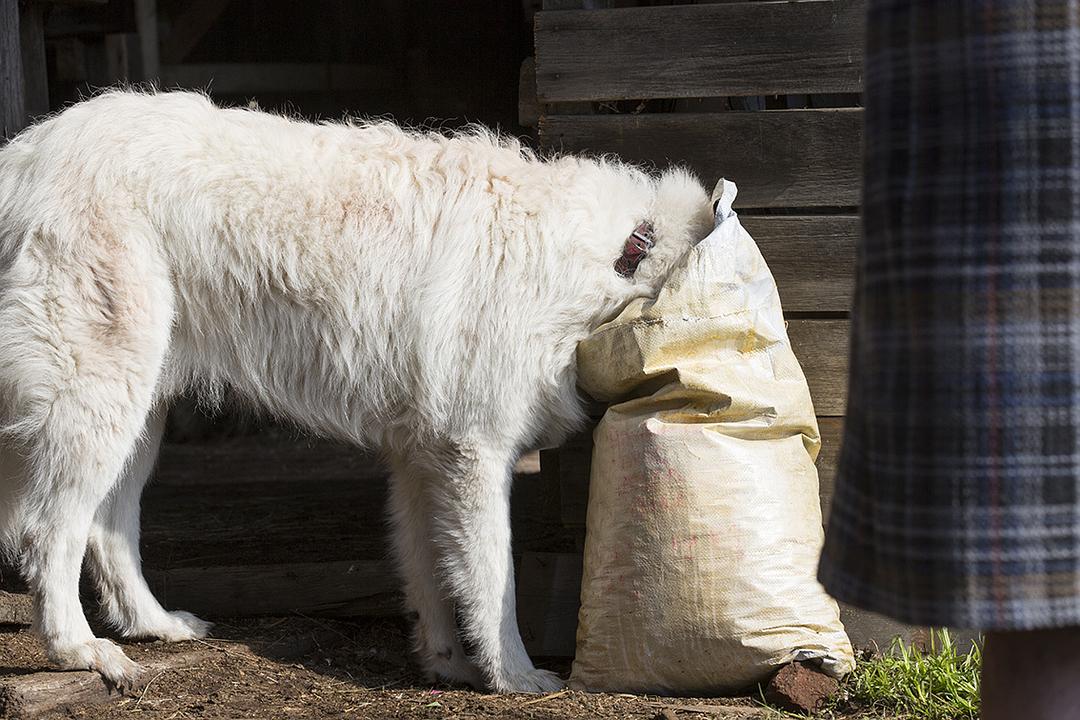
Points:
(679, 217)
(634, 227)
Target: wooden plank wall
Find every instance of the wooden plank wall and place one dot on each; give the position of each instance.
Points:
(271, 523)
(632, 81)
(779, 159)
(707, 50)
(798, 170)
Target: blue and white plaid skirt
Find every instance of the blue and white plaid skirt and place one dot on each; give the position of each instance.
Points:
(958, 492)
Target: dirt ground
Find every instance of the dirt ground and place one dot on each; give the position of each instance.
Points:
(307, 668)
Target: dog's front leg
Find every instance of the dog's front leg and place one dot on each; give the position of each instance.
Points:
(472, 530)
(435, 632)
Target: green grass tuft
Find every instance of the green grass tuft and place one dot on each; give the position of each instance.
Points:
(939, 683)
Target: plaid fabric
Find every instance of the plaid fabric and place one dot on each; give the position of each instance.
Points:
(958, 487)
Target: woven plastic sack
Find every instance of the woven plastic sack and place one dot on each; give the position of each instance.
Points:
(704, 523)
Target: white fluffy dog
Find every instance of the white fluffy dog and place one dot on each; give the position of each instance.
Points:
(410, 292)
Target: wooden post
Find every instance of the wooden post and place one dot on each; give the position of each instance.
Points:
(146, 22)
(47, 694)
(35, 75)
(119, 49)
(12, 100)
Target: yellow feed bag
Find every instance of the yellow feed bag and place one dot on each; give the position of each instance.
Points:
(704, 523)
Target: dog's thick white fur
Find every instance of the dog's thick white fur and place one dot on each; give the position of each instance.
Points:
(410, 292)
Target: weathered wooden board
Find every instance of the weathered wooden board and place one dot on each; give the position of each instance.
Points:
(822, 348)
(529, 108)
(295, 567)
(340, 588)
(812, 258)
(267, 456)
(146, 21)
(832, 433)
(35, 75)
(270, 498)
(573, 463)
(778, 158)
(700, 50)
(12, 93)
(262, 523)
(56, 694)
(274, 455)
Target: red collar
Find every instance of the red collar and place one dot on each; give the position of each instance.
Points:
(636, 247)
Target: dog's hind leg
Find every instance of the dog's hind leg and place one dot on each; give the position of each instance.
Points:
(471, 519)
(435, 638)
(126, 599)
(83, 338)
(76, 458)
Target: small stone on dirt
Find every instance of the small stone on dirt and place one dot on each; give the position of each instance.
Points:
(665, 714)
(799, 687)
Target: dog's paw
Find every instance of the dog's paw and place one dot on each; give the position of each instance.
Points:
(103, 656)
(186, 626)
(453, 668)
(169, 626)
(531, 681)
